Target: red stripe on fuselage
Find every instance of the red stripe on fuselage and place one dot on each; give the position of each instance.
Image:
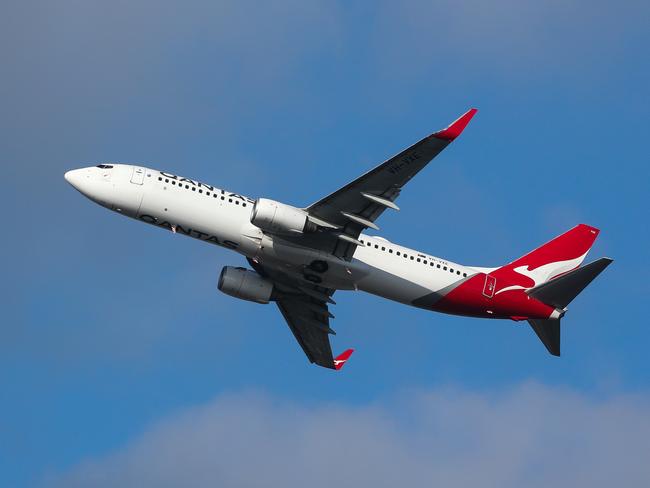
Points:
(469, 299)
(502, 294)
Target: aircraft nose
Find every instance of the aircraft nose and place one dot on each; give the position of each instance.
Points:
(74, 177)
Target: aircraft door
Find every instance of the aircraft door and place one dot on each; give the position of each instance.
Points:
(137, 177)
(489, 286)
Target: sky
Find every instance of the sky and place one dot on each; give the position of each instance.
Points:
(121, 364)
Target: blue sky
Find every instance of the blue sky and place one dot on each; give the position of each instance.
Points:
(120, 362)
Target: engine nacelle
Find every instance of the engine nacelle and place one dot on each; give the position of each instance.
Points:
(245, 284)
(276, 217)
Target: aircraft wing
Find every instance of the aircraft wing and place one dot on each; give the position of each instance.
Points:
(304, 307)
(313, 339)
(357, 205)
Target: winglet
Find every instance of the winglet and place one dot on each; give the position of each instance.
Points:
(340, 360)
(456, 127)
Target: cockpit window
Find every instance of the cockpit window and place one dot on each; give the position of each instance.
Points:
(105, 166)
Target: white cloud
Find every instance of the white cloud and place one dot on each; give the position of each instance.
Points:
(529, 436)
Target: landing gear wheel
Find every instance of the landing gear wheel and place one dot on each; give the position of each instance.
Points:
(319, 266)
(313, 278)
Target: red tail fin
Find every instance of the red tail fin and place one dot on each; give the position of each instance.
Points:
(340, 360)
(556, 257)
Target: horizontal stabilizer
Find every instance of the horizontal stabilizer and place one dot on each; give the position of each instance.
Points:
(548, 331)
(559, 292)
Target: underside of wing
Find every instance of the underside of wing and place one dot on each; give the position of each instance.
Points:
(310, 332)
(304, 306)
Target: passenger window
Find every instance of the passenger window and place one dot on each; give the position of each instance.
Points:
(464, 275)
(236, 202)
(230, 200)
(166, 180)
(425, 262)
(438, 266)
(412, 258)
(222, 197)
(383, 248)
(445, 268)
(376, 246)
(187, 187)
(193, 189)
(200, 191)
(418, 260)
(390, 251)
(398, 253)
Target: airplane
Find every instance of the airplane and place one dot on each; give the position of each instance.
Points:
(299, 257)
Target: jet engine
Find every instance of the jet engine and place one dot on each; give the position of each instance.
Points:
(276, 217)
(245, 284)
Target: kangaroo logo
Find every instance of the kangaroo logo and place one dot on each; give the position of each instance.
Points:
(544, 273)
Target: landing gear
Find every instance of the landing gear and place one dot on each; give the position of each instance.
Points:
(319, 266)
(313, 278)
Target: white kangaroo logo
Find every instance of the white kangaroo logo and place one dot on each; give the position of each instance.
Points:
(544, 273)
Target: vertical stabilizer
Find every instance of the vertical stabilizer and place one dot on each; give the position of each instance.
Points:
(560, 255)
(558, 293)
(548, 332)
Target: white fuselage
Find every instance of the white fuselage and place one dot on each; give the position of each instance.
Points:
(220, 217)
